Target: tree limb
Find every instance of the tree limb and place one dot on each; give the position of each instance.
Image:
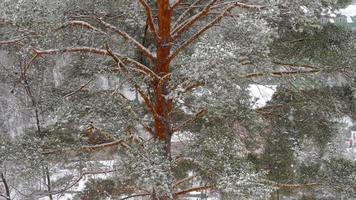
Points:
(184, 26)
(194, 189)
(126, 36)
(11, 41)
(193, 118)
(135, 195)
(148, 103)
(180, 18)
(279, 73)
(176, 4)
(211, 24)
(83, 25)
(7, 190)
(139, 67)
(296, 186)
(190, 178)
(294, 65)
(73, 183)
(79, 89)
(150, 20)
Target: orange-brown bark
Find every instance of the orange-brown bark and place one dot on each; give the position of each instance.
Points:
(163, 106)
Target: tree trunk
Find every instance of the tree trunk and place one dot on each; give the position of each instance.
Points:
(163, 106)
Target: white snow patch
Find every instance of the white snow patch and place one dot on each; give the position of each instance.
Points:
(261, 94)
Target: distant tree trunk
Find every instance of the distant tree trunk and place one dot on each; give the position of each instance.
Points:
(7, 190)
(48, 180)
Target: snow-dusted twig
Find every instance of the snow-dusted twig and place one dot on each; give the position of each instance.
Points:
(197, 115)
(184, 26)
(79, 89)
(150, 20)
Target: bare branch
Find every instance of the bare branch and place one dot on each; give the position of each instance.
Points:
(126, 36)
(194, 189)
(79, 89)
(11, 41)
(296, 186)
(147, 102)
(184, 26)
(295, 65)
(74, 182)
(138, 66)
(73, 50)
(176, 4)
(188, 121)
(279, 73)
(142, 67)
(180, 18)
(104, 145)
(150, 20)
(82, 24)
(187, 179)
(135, 195)
(193, 85)
(212, 23)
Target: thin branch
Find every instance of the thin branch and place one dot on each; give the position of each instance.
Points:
(295, 186)
(150, 20)
(279, 73)
(139, 67)
(191, 86)
(194, 189)
(73, 183)
(187, 179)
(11, 41)
(7, 190)
(126, 36)
(79, 89)
(295, 65)
(184, 26)
(176, 4)
(135, 195)
(82, 24)
(73, 50)
(147, 102)
(190, 120)
(211, 24)
(104, 145)
(180, 18)
(270, 107)
(27, 66)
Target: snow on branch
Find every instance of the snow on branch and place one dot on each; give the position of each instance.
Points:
(79, 89)
(11, 41)
(137, 66)
(279, 73)
(184, 26)
(176, 3)
(148, 103)
(83, 25)
(150, 20)
(180, 18)
(126, 36)
(75, 181)
(211, 24)
(201, 113)
(194, 189)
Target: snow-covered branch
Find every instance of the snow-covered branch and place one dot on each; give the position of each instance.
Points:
(150, 21)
